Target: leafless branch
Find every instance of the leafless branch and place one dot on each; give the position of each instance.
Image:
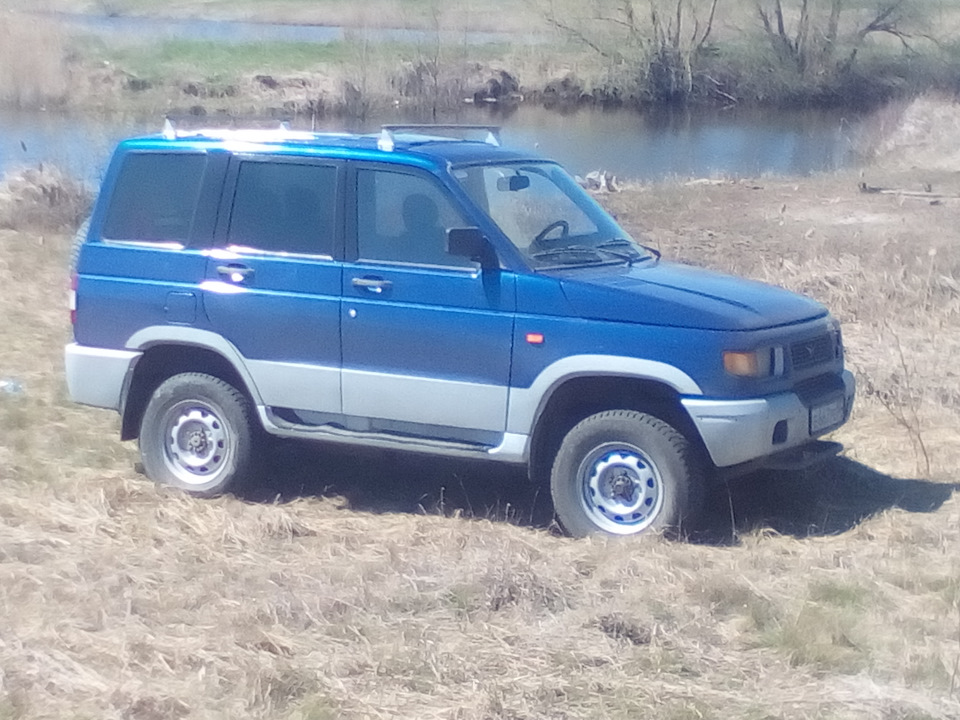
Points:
(709, 28)
(576, 35)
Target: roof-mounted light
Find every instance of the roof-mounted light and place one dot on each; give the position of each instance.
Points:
(424, 132)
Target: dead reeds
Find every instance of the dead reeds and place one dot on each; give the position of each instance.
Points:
(32, 61)
(42, 198)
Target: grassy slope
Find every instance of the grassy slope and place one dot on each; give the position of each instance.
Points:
(494, 15)
(391, 587)
(47, 67)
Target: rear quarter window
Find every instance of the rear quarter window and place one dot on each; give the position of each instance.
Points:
(155, 197)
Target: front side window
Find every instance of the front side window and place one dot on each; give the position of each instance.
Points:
(404, 218)
(155, 197)
(547, 216)
(284, 207)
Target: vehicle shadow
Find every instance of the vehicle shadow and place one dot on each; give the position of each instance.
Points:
(830, 499)
(380, 481)
(826, 500)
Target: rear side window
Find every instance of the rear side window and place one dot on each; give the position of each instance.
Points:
(155, 197)
(284, 207)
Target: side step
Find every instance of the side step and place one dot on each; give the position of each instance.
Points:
(389, 441)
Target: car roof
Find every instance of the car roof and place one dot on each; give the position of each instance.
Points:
(411, 145)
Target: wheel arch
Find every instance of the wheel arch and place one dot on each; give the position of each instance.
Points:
(161, 360)
(574, 398)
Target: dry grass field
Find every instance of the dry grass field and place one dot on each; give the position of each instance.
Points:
(377, 586)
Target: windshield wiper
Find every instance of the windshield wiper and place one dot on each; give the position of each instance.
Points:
(624, 243)
(606, 247)
(570, 250)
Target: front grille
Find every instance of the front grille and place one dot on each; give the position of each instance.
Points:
(812, 352)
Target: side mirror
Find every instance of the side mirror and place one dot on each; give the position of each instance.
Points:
(470, 243)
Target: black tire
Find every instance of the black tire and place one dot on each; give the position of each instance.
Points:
(623, 472)
(197, 434)
(79, 238)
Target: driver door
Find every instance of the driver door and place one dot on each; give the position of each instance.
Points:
(426, 336)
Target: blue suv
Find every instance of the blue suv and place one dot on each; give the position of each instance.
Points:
(441, 295)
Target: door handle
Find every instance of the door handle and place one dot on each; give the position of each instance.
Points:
(235, 273)
(373, 285)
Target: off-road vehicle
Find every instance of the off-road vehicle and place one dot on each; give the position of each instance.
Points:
(439, 295)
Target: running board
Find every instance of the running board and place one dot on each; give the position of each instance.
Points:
(388, 441)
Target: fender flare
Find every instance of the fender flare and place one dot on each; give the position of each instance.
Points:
(155, 335)
(526, 405)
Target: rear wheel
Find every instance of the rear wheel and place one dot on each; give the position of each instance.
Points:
(623, 472)
(197, 434)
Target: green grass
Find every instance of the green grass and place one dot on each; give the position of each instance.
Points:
(173, 58)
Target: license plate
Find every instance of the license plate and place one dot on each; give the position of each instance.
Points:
(826, 415)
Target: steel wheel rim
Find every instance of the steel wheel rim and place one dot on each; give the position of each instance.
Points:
(621, 488)
(197, 444)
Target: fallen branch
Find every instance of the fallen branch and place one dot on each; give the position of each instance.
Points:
(927, 194)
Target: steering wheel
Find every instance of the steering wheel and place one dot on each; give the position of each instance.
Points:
(541, 237)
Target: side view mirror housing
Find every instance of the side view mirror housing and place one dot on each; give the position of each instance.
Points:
(470, 242)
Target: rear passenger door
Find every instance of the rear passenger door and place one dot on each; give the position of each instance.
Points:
(426, 335)
(272, 284)
(145, 259)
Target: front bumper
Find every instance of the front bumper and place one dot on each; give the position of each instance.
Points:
(739, 431)
(96, 376)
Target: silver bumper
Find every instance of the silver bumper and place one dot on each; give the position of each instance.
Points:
(738, 431)
(95, 376)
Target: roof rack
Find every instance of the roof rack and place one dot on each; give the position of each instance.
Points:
(387, 140)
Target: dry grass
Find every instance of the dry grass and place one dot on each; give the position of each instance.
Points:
(42, 198)
(382, 586)
(32, 67)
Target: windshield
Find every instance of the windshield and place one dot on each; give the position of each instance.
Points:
(547, 216)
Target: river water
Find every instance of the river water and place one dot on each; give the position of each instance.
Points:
(732, 143)
(629, 144)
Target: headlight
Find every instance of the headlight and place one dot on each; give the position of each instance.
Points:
(764, 362)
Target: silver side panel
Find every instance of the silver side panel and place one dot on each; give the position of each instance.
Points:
(513, 449)
(294, 385)
(424, 400)
(525, 402)
(95, 376)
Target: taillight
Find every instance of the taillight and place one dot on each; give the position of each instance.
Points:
(72, 298)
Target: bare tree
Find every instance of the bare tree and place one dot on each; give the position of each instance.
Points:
(811, 43)
(661, 38)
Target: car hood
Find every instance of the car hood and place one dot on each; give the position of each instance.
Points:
(676, 295)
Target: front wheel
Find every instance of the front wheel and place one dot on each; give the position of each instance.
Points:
(197, 435)
(623, 472)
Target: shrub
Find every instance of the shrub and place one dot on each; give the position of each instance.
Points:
(44, 198)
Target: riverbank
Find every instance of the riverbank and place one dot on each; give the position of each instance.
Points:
(357, 585)
(608, 60)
